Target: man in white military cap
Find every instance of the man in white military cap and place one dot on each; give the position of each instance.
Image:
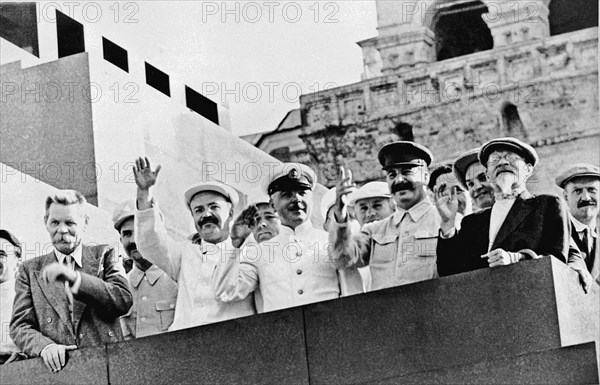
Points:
(581, 190)
(293, 268)
(190, 265)
(518, 226)
(372, 202)
(154, 292)
(470, 173)
(401, 248)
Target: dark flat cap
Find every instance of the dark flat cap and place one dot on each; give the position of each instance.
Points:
(576, 171)
(462, 163)
(511, 144)
(404, 153)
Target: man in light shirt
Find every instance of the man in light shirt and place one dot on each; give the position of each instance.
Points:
(518, 226)
(73, 296)
(189, 264)
(293, 268)
(401, 248)
(154, 292)
(581, 190)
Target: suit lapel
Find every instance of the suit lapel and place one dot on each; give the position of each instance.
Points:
(517, 214)
(90, 263)
(54, 293)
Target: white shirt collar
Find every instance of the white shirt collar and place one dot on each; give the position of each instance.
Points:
(579, 227)
(75, 255)
(304, 228)
(415, 212)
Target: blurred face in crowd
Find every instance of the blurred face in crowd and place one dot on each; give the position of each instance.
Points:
(369, 210)
(127, 239)
(293, 206)
(448, 180)
(507, 170)
(8, 261)
(480, 189)
(212, 213)
(267, 223)
(66, 225)
(407, 185)
(582, 195)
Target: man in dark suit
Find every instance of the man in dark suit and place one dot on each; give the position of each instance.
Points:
(581, 190)
(518, 226)
(72, 297)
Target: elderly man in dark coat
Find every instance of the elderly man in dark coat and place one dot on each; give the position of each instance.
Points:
(518, 226)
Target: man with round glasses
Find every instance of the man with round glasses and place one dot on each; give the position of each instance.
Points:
(518, 225)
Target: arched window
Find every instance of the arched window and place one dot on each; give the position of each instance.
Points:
(460, 30)
(512, 121)
(572, 15)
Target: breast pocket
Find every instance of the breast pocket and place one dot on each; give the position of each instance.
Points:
(385, 247)
(166, 311)
(425, 244)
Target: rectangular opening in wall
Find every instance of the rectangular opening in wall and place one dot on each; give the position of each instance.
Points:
(157, 79)
(202, 105)
(70, 35)
(18, 25)
(115, 54)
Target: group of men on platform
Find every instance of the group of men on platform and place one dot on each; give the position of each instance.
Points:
(473, 214)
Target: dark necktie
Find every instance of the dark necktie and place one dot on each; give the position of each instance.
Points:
(585, 240)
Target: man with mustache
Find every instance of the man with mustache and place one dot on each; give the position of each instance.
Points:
(189, 264)
(399, 249)
(581, 190)
(293, 268)
(518, 226)
(471, 175)
(154, 292)
(73, 296)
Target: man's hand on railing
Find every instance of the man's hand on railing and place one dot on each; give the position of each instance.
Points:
(55, 356)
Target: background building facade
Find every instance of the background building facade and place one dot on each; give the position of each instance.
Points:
(453, 74)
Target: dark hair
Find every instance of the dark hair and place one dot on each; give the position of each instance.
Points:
(435, 174)
(5, 234)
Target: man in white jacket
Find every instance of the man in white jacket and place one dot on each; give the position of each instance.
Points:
(211, 205)
(294, 268)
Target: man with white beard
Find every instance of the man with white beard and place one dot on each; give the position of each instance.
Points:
(518, 226)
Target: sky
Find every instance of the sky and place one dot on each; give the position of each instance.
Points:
(257, 57)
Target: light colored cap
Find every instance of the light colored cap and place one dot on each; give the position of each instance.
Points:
(370, 190)
(509, 143)
(221, 188)
(287, 176)
(576, 171)
(123, 212)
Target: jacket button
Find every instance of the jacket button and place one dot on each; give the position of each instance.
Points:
(172, 306)
(110, 334)
(298, 271)
(300, 292)
(49, 320)
(81, 335)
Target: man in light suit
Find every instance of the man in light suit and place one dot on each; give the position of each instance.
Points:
(72, 297)
(518, 226)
